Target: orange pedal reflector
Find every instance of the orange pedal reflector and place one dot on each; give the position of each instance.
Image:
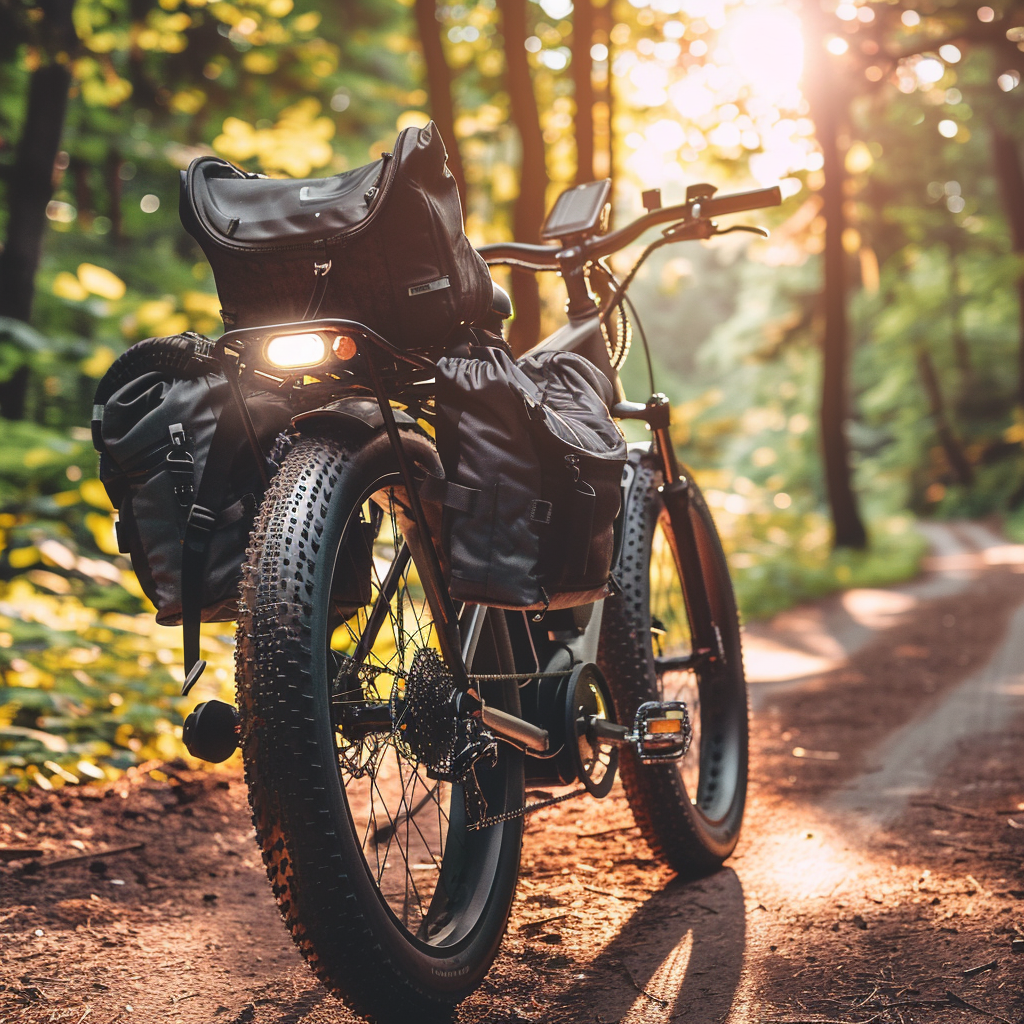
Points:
(665, 725)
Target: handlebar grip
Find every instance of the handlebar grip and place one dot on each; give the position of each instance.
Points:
(739, 201)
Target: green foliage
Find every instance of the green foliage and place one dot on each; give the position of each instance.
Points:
(302, 87)
(777, 566)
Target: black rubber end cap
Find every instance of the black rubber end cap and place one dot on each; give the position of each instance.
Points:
(210, 732)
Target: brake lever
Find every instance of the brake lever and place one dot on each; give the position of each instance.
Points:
(760, 232)
(689, 230)
(695, 229)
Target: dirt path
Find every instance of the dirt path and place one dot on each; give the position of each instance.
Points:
(881, 857)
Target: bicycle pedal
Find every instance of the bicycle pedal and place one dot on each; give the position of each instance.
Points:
(661, 731)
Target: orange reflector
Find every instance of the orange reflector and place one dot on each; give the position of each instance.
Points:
(665, 725)
(344, 346)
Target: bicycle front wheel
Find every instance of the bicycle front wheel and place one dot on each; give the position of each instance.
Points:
(689, 811)
(396, 903)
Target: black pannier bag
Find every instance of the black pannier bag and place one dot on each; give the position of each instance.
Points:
(533, 468)
(176, 463)
(383, 244)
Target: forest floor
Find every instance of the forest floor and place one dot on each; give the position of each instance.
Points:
(879, 877)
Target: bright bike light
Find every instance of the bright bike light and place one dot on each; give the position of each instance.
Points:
(289, 351)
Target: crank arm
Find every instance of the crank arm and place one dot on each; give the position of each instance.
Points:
(517, 730)
(361, 720)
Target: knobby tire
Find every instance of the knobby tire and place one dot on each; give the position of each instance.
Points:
(334, 899)
(689, 812)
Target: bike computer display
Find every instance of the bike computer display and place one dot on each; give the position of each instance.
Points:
(577, 211)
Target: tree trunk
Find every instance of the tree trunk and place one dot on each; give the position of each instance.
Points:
(955, 455)
(1006, 157)
(533, 176)
(582, 74)
(29, 189)
(439, 87)
(826, 98)
(30, 186)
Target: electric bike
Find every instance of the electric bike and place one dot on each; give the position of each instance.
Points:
(389, 734)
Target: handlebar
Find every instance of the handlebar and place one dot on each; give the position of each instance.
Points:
(545, 257)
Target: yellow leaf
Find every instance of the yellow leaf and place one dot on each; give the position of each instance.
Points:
(178, 323)
(65, 499)
(151, 313)
(102, 42)
(36, 457)
(22, 558)
(67, 286)
(412, 119)
(259, 63)
(102, 529)
(177, 22)
(101, 282)
(279, 8)
(201, 302)
(188, 101)
(95, 494)
(130, 583)
(99, 362)
(306, 22)
(106, 92)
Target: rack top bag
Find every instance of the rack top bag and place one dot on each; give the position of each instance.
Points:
(382, 244)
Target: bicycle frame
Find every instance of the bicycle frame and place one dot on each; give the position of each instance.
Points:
(373, 365)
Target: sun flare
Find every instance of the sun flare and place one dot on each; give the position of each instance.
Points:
(765, 45)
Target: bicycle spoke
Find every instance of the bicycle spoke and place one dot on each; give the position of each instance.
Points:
(402, 816)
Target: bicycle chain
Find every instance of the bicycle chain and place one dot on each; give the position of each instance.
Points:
(519, 677)
(497, 819)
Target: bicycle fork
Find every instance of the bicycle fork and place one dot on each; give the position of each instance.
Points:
(707, 647)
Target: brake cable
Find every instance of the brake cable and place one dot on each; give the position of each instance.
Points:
(639, 326)
(618, 348)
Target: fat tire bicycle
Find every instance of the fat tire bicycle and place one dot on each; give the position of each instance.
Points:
(395, 878)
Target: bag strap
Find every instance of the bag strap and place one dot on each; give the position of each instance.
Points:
(471, 500)
(202, 518)
(320, 271)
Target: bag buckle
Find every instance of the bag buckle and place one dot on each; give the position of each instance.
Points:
(201, 347)
(180, 465)
(177, 432)
(202, 519)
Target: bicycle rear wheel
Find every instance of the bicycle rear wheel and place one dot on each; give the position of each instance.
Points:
(396, 903)
(689, 811)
